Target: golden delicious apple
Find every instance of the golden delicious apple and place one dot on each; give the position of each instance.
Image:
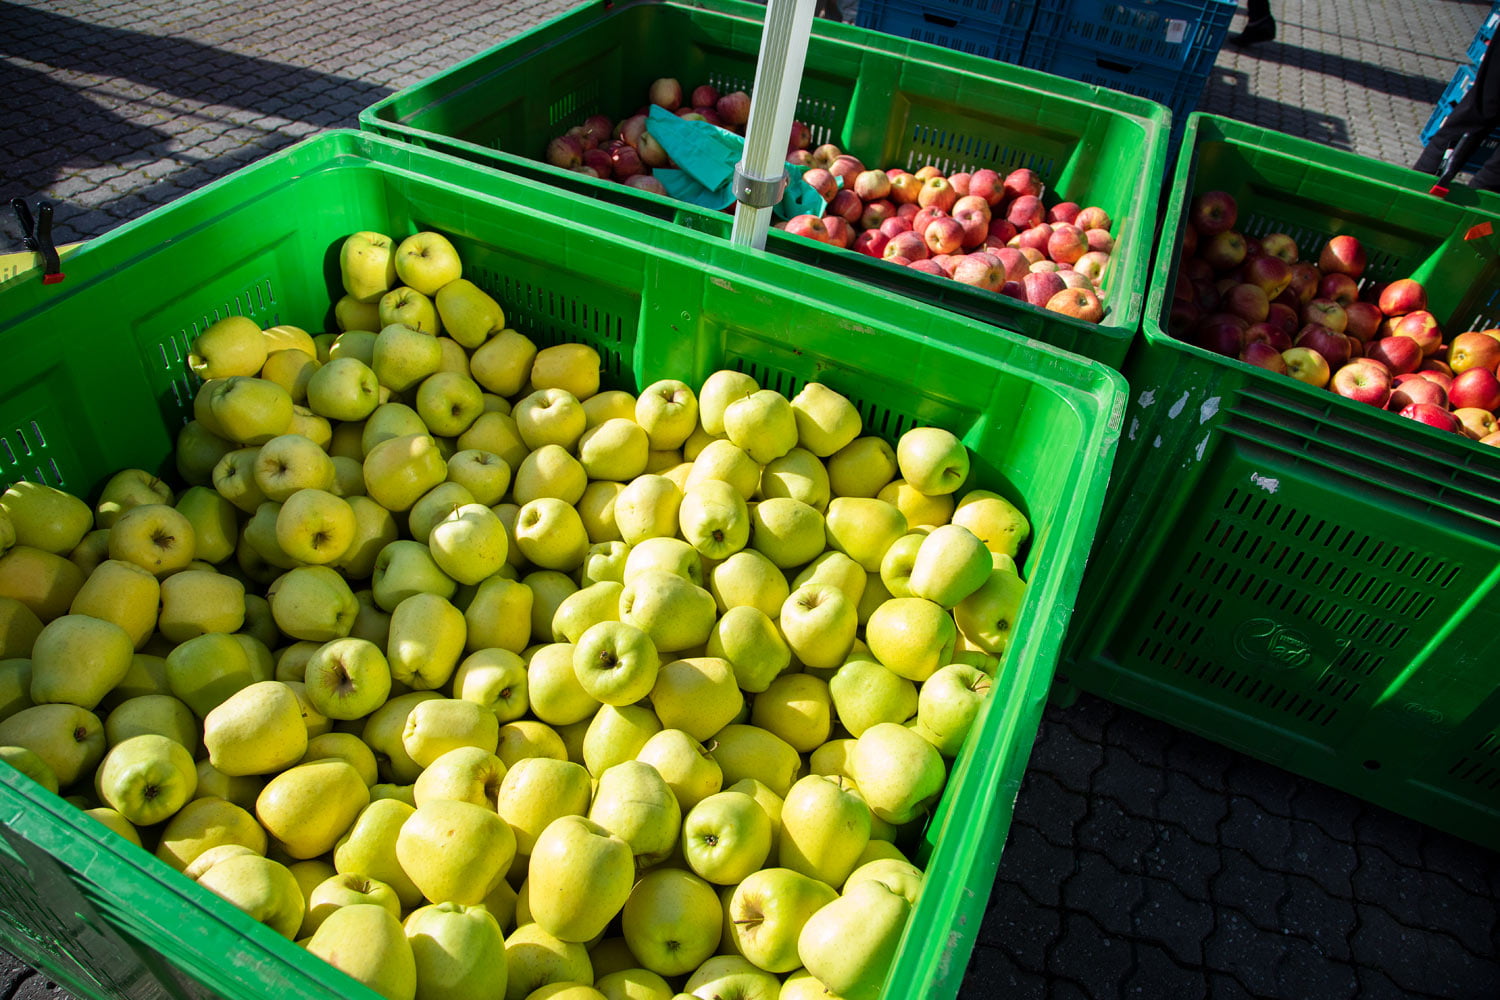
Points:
(399, 471)
(256, 730)
(502, 364)
(667, 410)
(572, 367)
(580, 876)
(499, 616)
(459, 952)
(146, 778)
(469, 314)
(723, 459)
(455, 851)
(365, 941)
(717, 392)
(244, 409)
(687, 767)
(206, 823)
(263, 888)
(732, 975)
(367, 265)
(198, 451)
(77, 659)
(763, 424)
(647, 508)
(697, 695)
(534, 959)
(766, 913)
(932, 460)
(312, 602)
(427, 261)
(426, 641)
(862, 468)
(742, 751)
(308, 807)
(123, 593)
(153, 713)
(45, 583)
(442, 724)
(233, 345)
(672, 921)
(369, 848)
(70, 739)
(798, 708)
(125, 489)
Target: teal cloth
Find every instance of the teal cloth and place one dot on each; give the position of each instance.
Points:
(706, 156)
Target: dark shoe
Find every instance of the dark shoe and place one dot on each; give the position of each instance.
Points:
(1263, 30)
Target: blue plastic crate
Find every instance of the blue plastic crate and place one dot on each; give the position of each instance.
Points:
(1182, 36)
(995, 29)
(1482, 37)
(1179, 91)
(1457, 87)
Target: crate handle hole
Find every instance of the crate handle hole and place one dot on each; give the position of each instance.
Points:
(1372, 765)
(1116, 67)
(947, 22)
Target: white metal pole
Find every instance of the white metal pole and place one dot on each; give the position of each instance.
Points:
(778, 79)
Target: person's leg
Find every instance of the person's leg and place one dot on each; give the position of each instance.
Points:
(1260, 26)
(1487, 177)
(1478, 111)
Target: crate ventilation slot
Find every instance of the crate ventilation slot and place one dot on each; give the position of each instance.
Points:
(577, 103)
(1242, 684)
(23, 455)
(961, 151)
(1478, 767)
(549, 318)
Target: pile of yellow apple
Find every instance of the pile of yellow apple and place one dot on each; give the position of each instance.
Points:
(479, 681)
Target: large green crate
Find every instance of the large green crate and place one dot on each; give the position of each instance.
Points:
(95, 381)
(1298, 576)
(890, 101)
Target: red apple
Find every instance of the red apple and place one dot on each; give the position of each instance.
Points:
(565, 151)
(1344, 255)
(945, 262)
(871, 242)
(872, 185)
(1263, 355)
(1002, 231)
(936, 192)
(978, 270)
(1099, 239)
(1326, 313)
(1284, 316)
(1437, 371)
(925, 217)
(1402, 296)
(1023, 183)
(1476, 423)
(1041, 286)
(908, 245)
(1092, 265)
(1037, 237)
(1422, 327)
(821, 181)
(1094, 217)
(960, 182)
(645, 182)
(1197, 269)
(927, 172)
(927, 267)
(1213, 212)
(1025, 212)
(667, 93)
(734, 109)
(1224, 250)
(705, 95)
(799, 158)
(1362, 320)
(798, 141)
(1304, 284)
(848, 167)
(1493, 439)
(1064, 211)
(1271, 274)
(1333, 346)
(904, 188)
(846, 205)
(809, 226)
(1247, 302)
(875, 213)
(1363, 382)
(1473, 349)
(1338, 288)
(1189, 241)
(976, 226)
(599, 127)
(1306, 365)
(1073, 279)
(1067, 243)
(1221, 333)
(1014, 262)
(944, 235)
(1408, 388)
(600, 161)
(908, 211)
(1014, 290)
(895, 225)
(1268, 333)
(1080, 303)
(1281, 246)
(1182, 319)
(1046, 265)
(840, 231)
(988, 185)
(1400, 354)
(1032, 255)
(1432, 415)
(1476, 387)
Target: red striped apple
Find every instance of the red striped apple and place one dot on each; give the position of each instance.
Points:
(876, 212)
(734, 108)
(1362, 320)
(1213, 212)
(1402, 296)
(1247, 302)
(1332, 345)
(1093, 264)
(846, 166)
(821, 181)
(1344, 255)
(1041, 286)
(979, 271)
(1422, 327)
(1476, 387)
(1037, 237)
(1100, 239)
(928, 266)
(1067, 243)
(840, 232)
(1473, 350)
(871, 242)
(936, 192)
(1263, 355)
(1326, 313)
(1409, 389)
(1271, 274)
(1476, 423)
(1024, 183)
(1431, 415)
(1094, 217)
(1400, 354)
(909, 245)
(1339, 288)
(1224, 251)
(1080, 303)
(809, 226)
(987, 184)
(847, 205)
(1025, 212)
(1064, 211)
(872, 185)
(926, 217)
(894, 226)
(1269, 334)
(944, 235)
(1366, 383)
(1280, 246)
(904, 188)
(1283, 316)
(1304, 285)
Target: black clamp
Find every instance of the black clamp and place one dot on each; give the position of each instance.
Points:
(37, 237)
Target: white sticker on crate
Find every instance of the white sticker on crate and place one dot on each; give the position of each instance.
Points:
(1177, 406)
(1266, 483)
(1208, 409)
(1176, 31)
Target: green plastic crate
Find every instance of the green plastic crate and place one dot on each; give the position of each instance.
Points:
(95, 381)
(1304, 578)
(890, 101)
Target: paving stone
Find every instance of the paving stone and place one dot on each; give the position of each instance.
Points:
(993, 973)
(1264, 836)
(1428, 963)
(1306, 910)
(1248, 888)
(1245, 951)
(1014, 924)
(1187, 863)
(1103, 891)
(1054, 809)
(1170, 919)
(1037, 866)
(1305, 970)
(1325, 860)
(1189, 804)
(1084, 945)
(1120, 837)
(1157, 975)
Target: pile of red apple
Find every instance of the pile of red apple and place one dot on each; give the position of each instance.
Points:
(984, 229)
(627, 153)
(1372, 342)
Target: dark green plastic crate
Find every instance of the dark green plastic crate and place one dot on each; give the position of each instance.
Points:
(95, 381)
(890, 101)
(1304, 578)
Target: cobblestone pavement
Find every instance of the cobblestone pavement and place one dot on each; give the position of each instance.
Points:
(1143, 861)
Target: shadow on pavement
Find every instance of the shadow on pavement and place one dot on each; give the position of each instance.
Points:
(1228, 93)
(54, 124)
(1354, 72)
